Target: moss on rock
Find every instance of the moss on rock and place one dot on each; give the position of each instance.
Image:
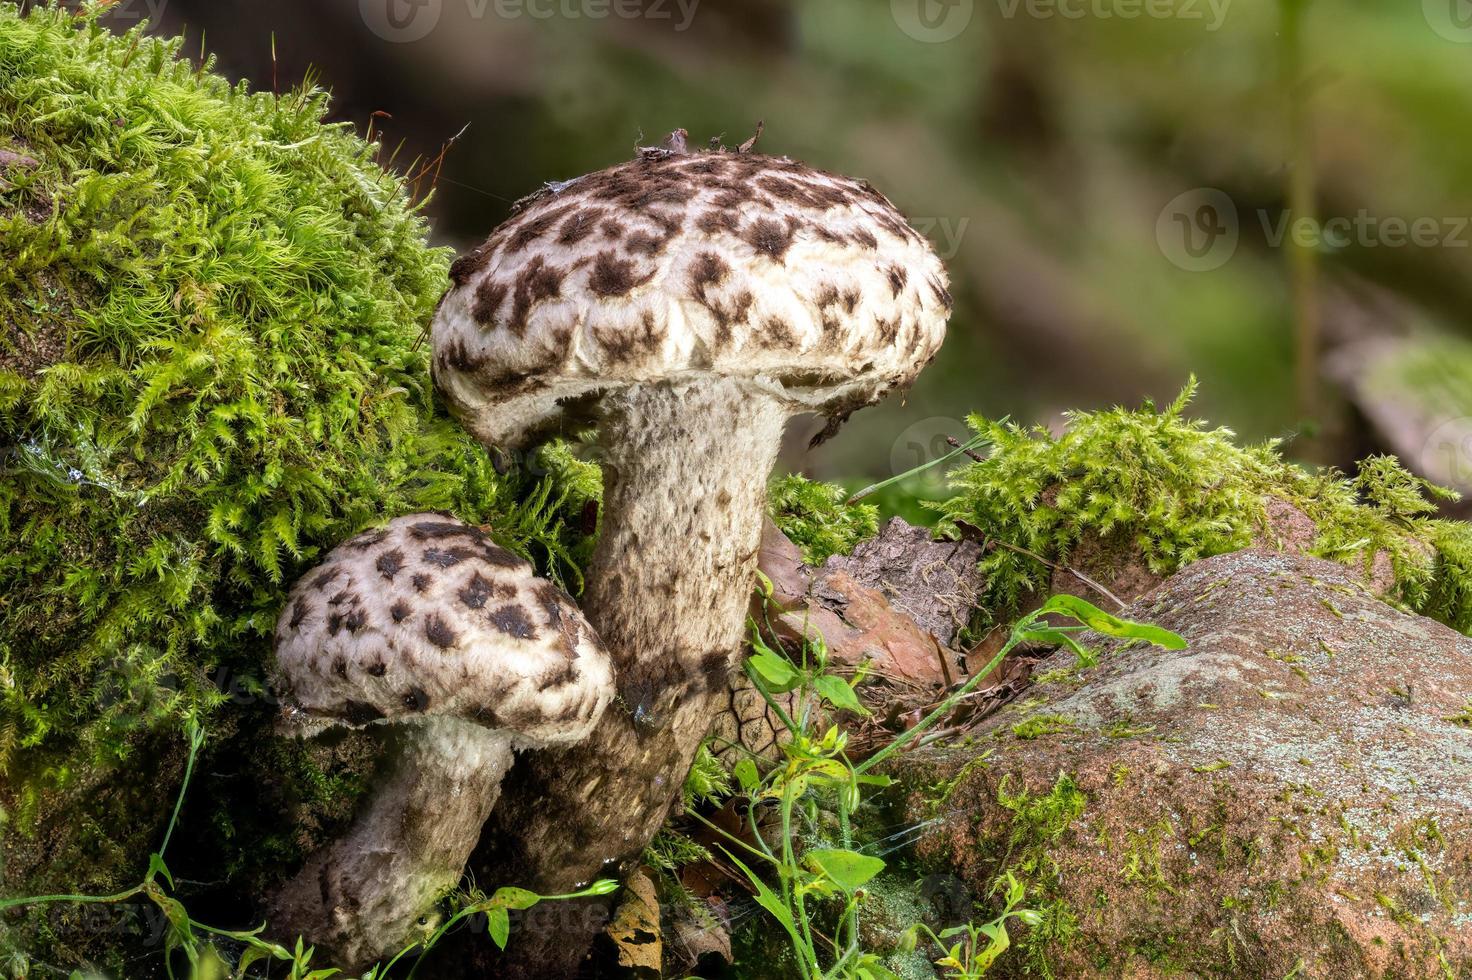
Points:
(1154, 489)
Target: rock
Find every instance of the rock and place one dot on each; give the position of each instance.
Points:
(935, 583)
(1290, 795)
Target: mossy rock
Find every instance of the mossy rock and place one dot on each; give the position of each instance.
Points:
(211, 370)
(1290, 795)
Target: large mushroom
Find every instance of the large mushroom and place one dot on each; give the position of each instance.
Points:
(689, 304)
(429, 627)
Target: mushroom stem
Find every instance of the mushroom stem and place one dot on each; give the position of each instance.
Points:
(685, 472)
(367, 895)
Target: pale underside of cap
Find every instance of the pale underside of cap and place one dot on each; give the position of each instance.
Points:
(679, 265)
(428, 617)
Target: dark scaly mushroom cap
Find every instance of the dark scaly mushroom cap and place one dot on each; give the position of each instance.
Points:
(427, 617)
(679, 264)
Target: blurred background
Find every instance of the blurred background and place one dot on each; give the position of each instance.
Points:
(1272, 194)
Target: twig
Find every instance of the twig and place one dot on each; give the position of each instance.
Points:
(955, 443)
(1063, 568)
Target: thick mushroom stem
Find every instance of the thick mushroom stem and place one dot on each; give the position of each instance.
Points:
(685, 468)
(373, 891)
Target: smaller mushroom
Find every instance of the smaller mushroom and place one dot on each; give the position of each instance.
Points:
(428, 627)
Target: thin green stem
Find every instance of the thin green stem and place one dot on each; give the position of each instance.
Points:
(970, 445)
(941, 711)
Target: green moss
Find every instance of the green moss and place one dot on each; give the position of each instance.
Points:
(1175, 491)
(816, 518)
(1039, 725)
(1038, 821)
(211, 370)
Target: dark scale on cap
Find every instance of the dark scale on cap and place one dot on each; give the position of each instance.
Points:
(864, 238)
(354, 620)
(536, 282)
(512, 620)
(324, 578)
(399, 611)
(366, 540)
(612, 229)
(377, 669)
(778, 333)
(500, 557)
(715, 222)
(416, 699)
(769, 238)
(438, 632)
(941, 293)
(390, 564)
(298, 613)
(419, 581)
(532, 228)
(613, 276)
(438, 530)
(340, 668)
(445, 557)
(708, 269)
(897, 279)
(342, 596)
(466, 266)
(489, 295)
(477, 591)
(628, 345)
(580, 224)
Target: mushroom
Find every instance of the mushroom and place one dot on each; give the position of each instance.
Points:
(427, 626)
(689, 304)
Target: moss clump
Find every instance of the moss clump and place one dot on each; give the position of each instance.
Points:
(211, 370)
(816, 518)
(1178, 492)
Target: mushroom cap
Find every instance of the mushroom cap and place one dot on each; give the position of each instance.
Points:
(680, 264)
(427, 617)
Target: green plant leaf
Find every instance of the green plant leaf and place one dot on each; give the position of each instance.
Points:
(498, 924)
(157, 868)
(1102, 622)
(835, 691)
(746, 775)
(514, 898)
(777, 674)
(846, 869)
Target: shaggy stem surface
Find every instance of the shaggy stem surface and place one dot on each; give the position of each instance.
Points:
(362, 897)
(686, 466)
